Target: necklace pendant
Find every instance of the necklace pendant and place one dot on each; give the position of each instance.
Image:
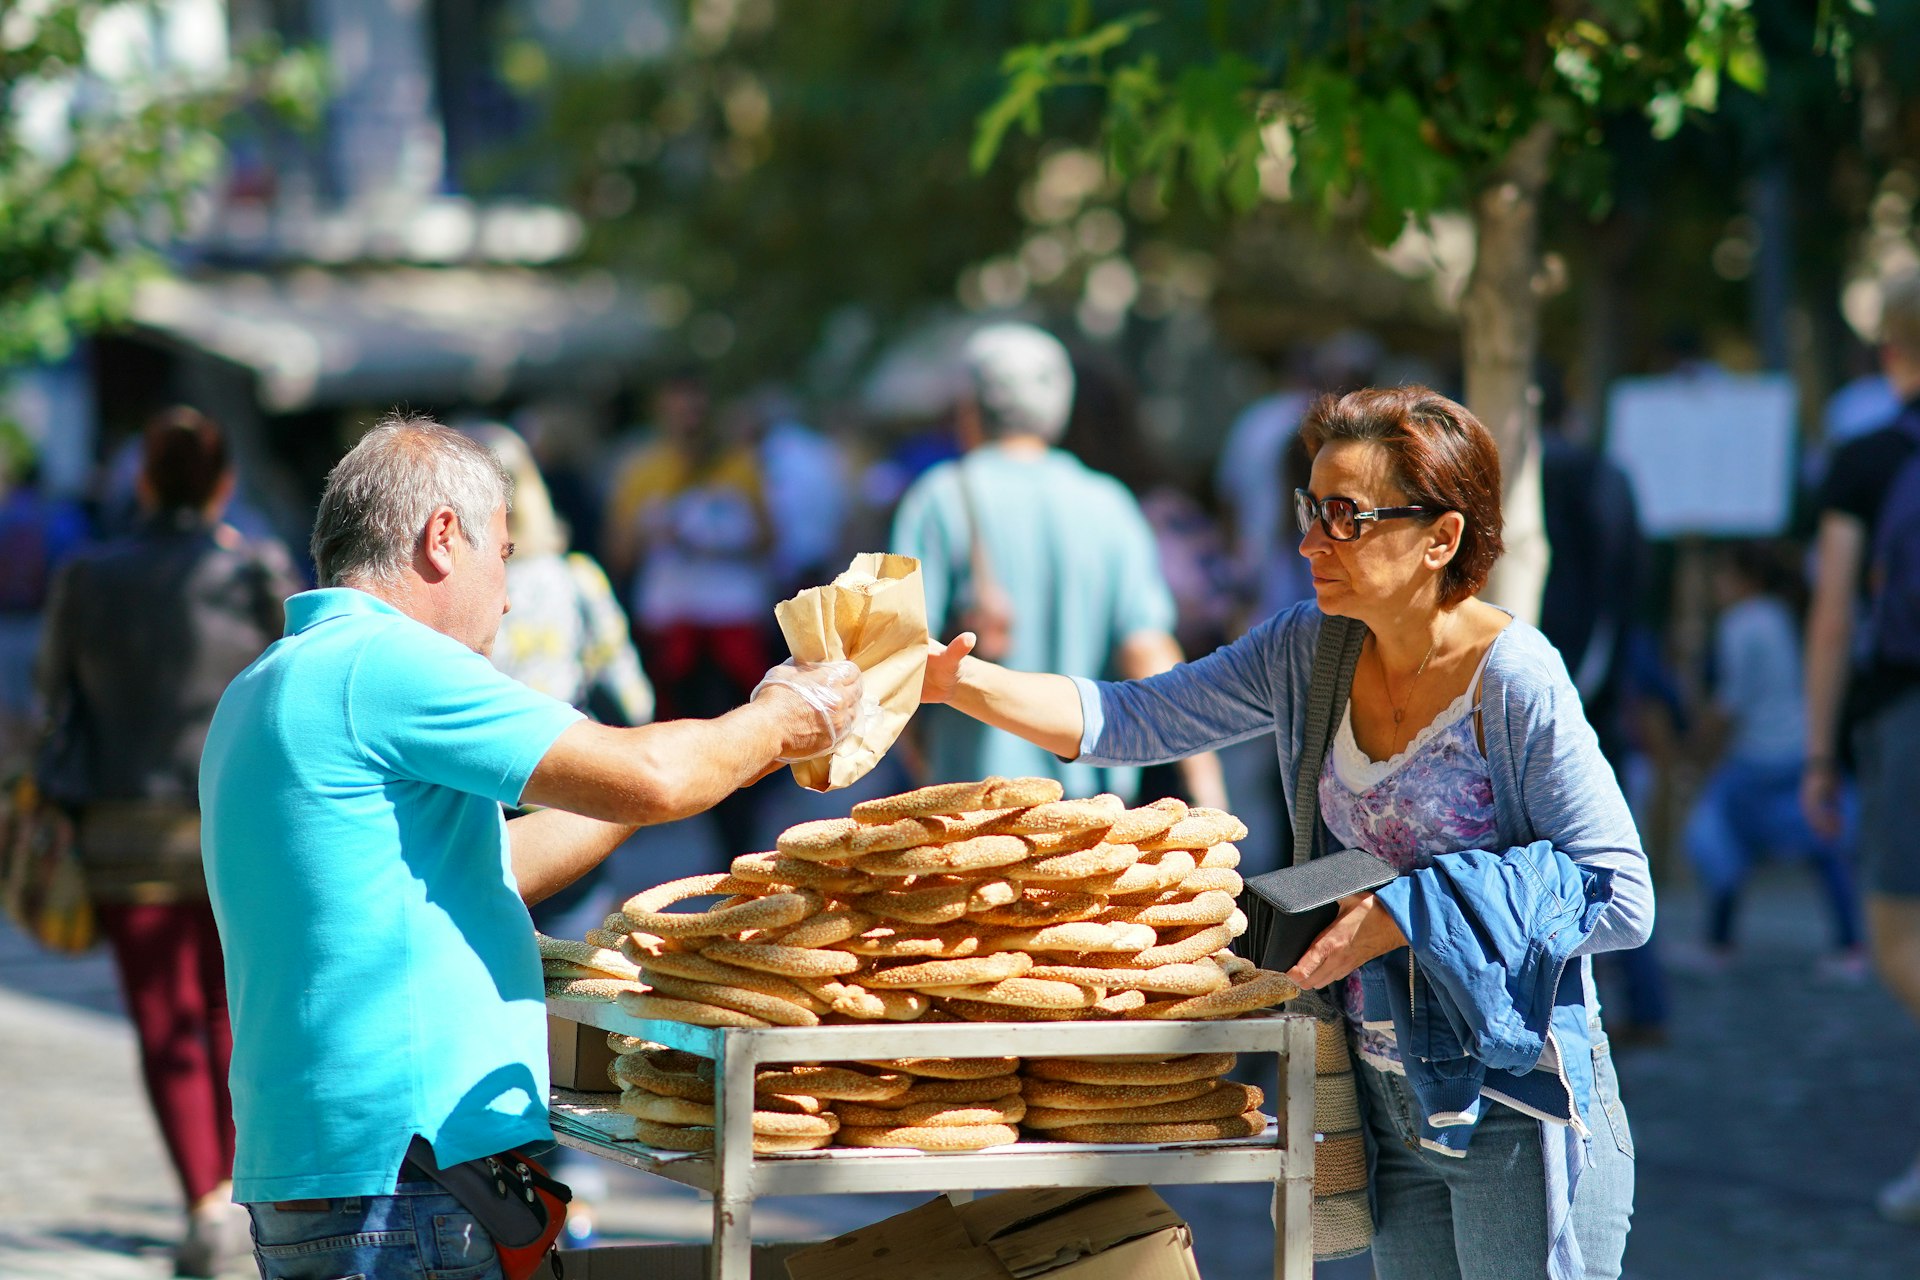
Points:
(1398, 716)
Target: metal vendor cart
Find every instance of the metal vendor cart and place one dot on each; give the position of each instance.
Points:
(735, 1176)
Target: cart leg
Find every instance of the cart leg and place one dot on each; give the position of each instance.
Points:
(732, 1257)
(1293, 1194)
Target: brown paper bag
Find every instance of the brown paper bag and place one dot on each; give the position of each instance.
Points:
(874, 615)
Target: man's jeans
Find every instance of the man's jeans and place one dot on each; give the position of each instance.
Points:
(417, 1233)
(1484, 1216)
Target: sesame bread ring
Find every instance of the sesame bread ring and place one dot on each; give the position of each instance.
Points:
(647, 910)
(784, 1124)
(887, 837)
(1102, 859)
(1213, 880)
(780, 1012)
(617, 922)
(894, 940)
(1006, 1110)
(825, 838)
(1062, 1096)
(589, 988)
(1211, 907)
(796, 1103)
(776, 872)
(1084, 936)
(984, 1089)
(836, 1084)
(1021, 793)
(603, 938)
(1185, 946)
(583, 953)
(1201, 829)
(676, 1137)
(972, 971)
(977, 854)
(975, 1011)
(641, 947)
(882, 1006)
(771, 957)
(1227, 1098)
(1040, 907)
(836, 924)
(1251, 1125)
(1064, 816)
(665, 1009)
(664, 1077)
(974, 1137)
(1237, 922)
(1261, 989)
(1224, 856)
(1066, 842)
(939, 900)
(948, 1068)
(1153, 874)
(1232, 965)
(1135, 825)
(627, 1044)
(568, 971)
(947, 797)
(1032, 993)
(1129, 1071)
(1197, 979)
(965, 826)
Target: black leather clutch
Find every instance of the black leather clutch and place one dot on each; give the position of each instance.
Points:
(1287, 909)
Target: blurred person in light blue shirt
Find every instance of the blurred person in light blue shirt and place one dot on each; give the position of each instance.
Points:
(1052, 563)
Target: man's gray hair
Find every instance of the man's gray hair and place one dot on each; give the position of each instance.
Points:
(379, 496)
(1021, 379)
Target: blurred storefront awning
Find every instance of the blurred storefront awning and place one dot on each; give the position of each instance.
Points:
(317, 337)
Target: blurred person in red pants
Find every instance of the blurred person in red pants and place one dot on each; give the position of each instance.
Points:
(142, 634)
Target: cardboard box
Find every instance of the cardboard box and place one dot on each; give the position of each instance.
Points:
(578, 1056)
(662, 1262)
(1061, 1233)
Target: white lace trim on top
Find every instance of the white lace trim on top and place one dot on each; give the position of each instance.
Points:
(1358, 772)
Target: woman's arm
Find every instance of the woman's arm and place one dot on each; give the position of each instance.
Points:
(1223, 698)
(1043, 709)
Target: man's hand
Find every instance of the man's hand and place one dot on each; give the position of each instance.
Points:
(943, 667)
(1820, 798)
(823, 697)
(1362, 931)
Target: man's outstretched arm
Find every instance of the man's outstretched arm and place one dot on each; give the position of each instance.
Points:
(604, 782)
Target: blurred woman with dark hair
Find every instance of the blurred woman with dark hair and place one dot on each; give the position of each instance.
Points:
(143, 633)
(1455, 750)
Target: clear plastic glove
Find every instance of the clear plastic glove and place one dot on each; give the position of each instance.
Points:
(834, 690)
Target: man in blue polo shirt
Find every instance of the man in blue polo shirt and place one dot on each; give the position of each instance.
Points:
(382, 973)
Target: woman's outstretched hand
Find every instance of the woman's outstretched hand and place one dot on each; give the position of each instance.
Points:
(943, 667)
(1362, 931)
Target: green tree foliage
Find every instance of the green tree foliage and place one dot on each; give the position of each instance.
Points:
(96, 174)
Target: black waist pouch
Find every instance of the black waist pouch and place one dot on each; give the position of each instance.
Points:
(514, 1199)
(1287, 909)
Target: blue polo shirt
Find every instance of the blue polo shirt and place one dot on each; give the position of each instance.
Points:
(381, 969)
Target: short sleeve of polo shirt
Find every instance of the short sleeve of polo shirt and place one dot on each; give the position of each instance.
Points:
(431, 709)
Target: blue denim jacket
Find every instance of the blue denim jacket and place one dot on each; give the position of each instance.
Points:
(1493, 931)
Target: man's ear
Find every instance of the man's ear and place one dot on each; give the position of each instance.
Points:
(436, 544)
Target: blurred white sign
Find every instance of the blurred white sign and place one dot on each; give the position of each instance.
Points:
(1708, 453)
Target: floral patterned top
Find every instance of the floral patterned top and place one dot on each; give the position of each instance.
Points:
(1435, 796)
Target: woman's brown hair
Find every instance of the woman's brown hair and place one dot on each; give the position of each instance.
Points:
(1442, 459)
(184, 456)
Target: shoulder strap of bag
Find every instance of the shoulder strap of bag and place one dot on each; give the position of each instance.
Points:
(1336, 652)
(979, 564)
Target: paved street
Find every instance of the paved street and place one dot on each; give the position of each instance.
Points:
(1783, 1099)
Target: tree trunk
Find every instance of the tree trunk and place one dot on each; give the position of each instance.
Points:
(1500, 337)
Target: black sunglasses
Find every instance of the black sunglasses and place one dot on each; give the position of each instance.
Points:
(1342, 518)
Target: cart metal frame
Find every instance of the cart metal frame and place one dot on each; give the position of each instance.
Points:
(734, 1176)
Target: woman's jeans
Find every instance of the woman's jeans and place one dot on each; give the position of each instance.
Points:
(417, 1233)
(1484, 1216)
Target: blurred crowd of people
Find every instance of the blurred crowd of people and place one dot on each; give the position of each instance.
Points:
(644, 580)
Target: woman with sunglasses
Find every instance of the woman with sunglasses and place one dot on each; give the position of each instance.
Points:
(1462, 757)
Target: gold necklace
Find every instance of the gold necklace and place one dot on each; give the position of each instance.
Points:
(1400, 709)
